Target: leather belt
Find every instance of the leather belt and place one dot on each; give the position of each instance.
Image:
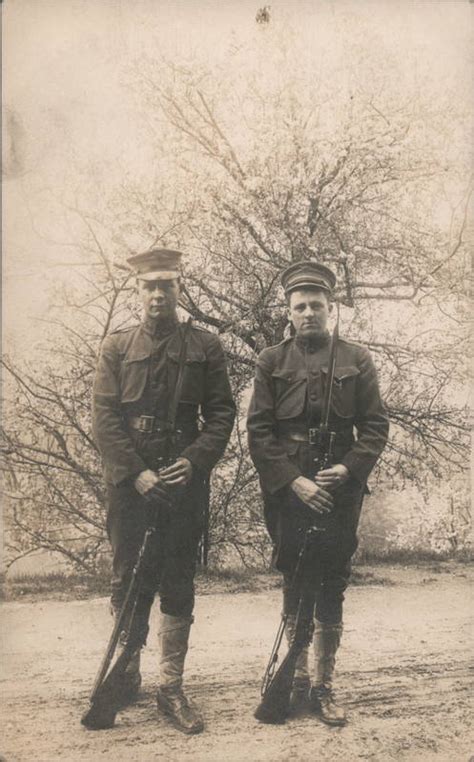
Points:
(309, 436)
(148, 424)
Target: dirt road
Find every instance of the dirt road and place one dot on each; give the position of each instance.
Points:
(402, 672)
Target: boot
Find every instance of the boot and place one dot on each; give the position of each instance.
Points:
(299, 697)
(174, 636)
(326, 642)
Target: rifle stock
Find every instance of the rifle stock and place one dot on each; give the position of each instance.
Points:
(274, 706)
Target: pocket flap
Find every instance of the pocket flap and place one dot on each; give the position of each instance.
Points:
(342, 373)
(287, 374)
(139, 349)
(193, 355)
(136, 357)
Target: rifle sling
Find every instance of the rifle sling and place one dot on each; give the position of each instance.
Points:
(329, 386)
(174, 402)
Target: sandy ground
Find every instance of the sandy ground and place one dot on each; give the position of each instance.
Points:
(403, 674)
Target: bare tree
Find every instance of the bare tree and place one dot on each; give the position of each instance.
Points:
(261, 171)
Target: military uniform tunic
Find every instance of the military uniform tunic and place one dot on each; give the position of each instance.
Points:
(287, 399)
(136, 376)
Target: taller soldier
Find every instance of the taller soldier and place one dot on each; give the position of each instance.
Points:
(134, 383)
(287, 403)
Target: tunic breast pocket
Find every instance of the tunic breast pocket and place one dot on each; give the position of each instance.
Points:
(133, 375)
(344, 391)
(289, 393)
(194, 376)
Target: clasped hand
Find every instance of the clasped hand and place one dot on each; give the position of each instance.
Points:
(180, 472)
(315, 493)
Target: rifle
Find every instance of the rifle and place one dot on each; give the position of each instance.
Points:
(105, 699)
(277, 686)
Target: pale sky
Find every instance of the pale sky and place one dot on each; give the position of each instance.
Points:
(66, 100)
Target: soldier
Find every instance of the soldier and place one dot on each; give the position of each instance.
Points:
(134, 382)
(287, 401)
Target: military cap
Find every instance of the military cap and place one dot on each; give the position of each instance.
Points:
(307, 274)
(157, 264)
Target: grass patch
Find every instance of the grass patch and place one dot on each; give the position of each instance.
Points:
(76, 586)
(61, 586)
(413, 557)
(56, 585)
(212, 580)
(362, 576)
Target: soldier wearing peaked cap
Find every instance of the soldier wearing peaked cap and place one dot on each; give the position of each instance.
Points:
(286, 403)
(133, 384)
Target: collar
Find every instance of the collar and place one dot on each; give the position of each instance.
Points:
(161, 328)
(313, 343)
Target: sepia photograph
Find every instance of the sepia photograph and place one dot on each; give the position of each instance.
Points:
(236, 381)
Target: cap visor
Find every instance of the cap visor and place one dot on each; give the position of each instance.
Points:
(301, 285)
(159, 275)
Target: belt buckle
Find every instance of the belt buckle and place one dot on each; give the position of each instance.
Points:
(146, 423)
(313, 436)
